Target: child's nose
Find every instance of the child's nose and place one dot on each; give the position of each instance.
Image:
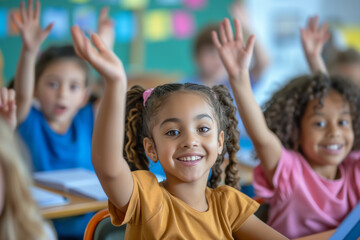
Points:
(62, 91)
(190, 140)
(334, 130)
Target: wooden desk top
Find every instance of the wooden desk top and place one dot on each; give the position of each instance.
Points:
(318, 236)
(76, 206)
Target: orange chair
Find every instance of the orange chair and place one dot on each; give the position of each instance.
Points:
(100, 227)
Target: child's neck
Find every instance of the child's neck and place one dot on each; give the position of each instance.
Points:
(60, 127)
(330, 172)
(193, 194)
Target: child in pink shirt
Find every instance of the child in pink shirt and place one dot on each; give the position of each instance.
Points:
(308, 172)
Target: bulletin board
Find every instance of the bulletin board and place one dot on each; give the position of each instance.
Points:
(151, 35)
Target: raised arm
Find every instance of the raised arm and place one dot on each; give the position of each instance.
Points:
(313, 39)
(8, 106)
(236, 58)
(107, 144)
(32, 37)
(260, 55)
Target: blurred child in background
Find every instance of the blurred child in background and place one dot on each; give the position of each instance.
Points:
(58, 132)
(305, 141)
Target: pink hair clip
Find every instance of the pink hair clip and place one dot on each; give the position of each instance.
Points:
(146, 94)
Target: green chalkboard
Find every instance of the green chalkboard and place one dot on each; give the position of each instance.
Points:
(171, 55)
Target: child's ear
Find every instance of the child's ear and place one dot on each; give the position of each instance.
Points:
(150, 149)
(221, 142)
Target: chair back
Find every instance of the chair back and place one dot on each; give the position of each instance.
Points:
(100, 228)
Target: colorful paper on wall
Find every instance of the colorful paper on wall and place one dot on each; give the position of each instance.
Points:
(183, 24)
(134, 4)
(85, 18)
(60, 18)
(195, 4)
(4, 22)
(125, 26)
(13, 30)
(157, 25)
(352, 36)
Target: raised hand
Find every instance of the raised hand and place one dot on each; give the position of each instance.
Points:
(235, 55)
(313, 39)
(100, 57)
(106, 28)
(31, 33)
(8, 106)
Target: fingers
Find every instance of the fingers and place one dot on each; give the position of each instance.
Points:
(46, 31)
(22, 12)
(37, 10)
(7, 99)
(238, 32)
(78, 39)
(30, 9)
(99, 44)
(250, 44)
(215, 39)
(228, 30)
(103, 14)
(222, 33)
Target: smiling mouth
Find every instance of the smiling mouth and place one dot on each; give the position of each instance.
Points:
(333, 147)
(190, 158)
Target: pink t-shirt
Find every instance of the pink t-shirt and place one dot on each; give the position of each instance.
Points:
(301, 201)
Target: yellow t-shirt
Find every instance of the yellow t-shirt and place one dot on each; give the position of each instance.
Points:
(153, 213)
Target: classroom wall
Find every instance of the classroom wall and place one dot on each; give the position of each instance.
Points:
(167, 48)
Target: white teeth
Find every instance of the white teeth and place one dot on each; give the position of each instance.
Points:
(333, 147)
(190, 158)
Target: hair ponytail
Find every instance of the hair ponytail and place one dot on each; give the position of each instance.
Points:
(134, 151)
(229, 124)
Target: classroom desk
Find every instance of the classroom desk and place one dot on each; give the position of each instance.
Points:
(76, 206)
(318, 236)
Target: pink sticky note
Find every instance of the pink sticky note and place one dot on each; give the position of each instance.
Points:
(195, 4)
(183, 24)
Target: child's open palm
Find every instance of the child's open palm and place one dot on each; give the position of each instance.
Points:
(100, 57)
(8, 106)
(313, 37)
(30, 30)
(234, 54)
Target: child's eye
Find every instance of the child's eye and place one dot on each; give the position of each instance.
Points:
(53, 84)
(343, 123)
(320, 124)
(74, 87)
(173, 133)
(204, 129)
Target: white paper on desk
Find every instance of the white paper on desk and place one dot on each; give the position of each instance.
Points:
(77, 181)
(46, 198)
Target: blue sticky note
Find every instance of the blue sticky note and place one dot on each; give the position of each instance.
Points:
(4, 22)
(125, 26)
(60, 18)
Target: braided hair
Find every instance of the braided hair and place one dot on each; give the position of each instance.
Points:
(138, 125)
(284, 111)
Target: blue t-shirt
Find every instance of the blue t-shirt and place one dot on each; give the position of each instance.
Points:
(50, 150)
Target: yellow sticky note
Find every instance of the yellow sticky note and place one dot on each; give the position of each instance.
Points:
(157, 25)
(352, 36)
(134, 4)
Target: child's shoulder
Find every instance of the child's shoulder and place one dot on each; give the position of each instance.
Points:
(226, 193)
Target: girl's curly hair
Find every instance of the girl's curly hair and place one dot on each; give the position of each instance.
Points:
(139, 122)
(284, 111)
